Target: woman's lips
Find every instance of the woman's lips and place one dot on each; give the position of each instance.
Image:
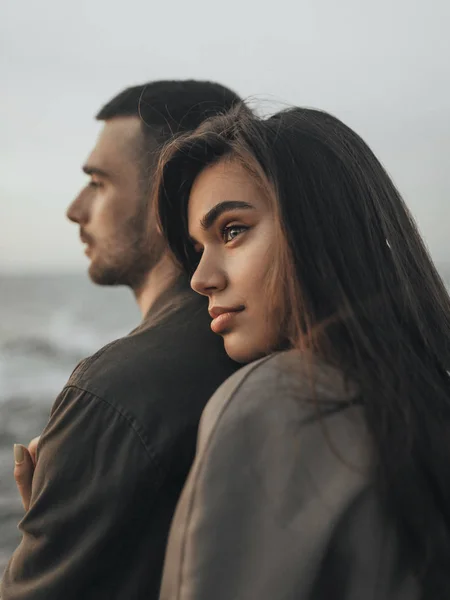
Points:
(223, 321)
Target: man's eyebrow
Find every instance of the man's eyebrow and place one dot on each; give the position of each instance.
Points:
(212, 215)
(91, 170)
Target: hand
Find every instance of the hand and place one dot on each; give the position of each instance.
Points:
(25, 461)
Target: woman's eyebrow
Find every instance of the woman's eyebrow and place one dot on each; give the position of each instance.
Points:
(212, 215)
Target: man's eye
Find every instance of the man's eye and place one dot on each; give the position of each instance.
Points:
(94, 184)
(230, 232)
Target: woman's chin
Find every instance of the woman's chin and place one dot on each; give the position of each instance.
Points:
(242, 351)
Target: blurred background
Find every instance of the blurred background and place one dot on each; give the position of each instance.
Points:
(382, 67)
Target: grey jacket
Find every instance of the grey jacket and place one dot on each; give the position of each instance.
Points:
(279, 504)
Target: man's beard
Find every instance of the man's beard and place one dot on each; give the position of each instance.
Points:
(128, 259)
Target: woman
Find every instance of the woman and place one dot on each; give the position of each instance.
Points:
(323, 469)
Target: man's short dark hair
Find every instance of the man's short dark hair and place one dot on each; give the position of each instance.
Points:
(170, 107)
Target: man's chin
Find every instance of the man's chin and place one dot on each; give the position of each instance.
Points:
(102, 275)
(130, 275)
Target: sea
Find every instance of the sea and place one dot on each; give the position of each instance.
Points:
(48, 324)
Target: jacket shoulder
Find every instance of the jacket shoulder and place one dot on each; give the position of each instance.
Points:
(282, 388)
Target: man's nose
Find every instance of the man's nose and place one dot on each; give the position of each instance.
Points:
(78, 210)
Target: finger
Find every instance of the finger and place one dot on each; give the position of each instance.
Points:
(32, 448)
(23, 473)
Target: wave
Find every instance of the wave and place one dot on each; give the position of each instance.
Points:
(36, 364)
(35, 346)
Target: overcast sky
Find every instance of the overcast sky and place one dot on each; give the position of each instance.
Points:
(383, 67)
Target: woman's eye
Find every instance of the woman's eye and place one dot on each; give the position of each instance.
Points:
(232, 231)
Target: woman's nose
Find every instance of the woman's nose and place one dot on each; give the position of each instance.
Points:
(209, 277)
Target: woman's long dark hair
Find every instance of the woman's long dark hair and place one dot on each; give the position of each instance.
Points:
(370, 300)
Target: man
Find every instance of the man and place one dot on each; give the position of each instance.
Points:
(121, 437)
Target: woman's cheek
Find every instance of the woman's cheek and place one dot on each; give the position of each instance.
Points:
(245, 269)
